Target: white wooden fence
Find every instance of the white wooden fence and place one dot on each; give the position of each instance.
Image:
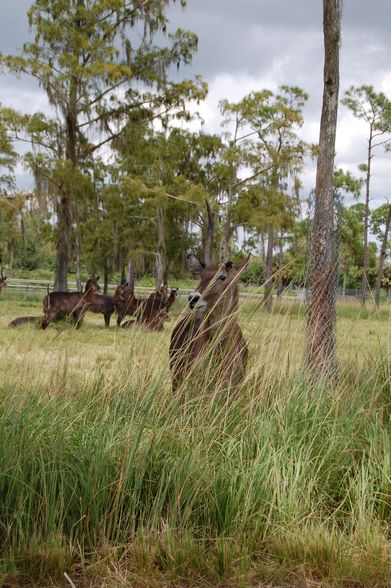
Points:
(40, 287)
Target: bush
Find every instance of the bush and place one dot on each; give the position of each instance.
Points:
(255, 273)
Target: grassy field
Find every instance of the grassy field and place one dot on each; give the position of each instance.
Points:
(107, 475)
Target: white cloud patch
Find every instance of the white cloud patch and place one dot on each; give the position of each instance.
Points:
(254, 45)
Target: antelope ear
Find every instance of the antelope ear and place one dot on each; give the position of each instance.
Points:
(97, 279)
(194, 264)
(242, 265)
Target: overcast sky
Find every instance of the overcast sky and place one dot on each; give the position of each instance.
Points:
(256, 44)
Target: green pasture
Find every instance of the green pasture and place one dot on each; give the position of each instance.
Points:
(110, 477)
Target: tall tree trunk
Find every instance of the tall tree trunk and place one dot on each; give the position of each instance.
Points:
(159, 270)
(227, 230)
(62, 243)
(321, 325)
(23, 232)
(121, 263)
(130, 277)
(364, 281)
(115, 260)
(64, 211)
(10, 247)
(280, 282)
(344, 282)
(208, 245)
(105, 277)
(160, 256)
(262, 249)
(268, 294)
(78, 253)
(78, 265)
(382, 257)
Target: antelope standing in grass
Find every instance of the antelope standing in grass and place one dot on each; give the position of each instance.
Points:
(25, 320)
(210, 327)
(71, 304)
(155, 323)
(211, 324)
(103, 305)
(3, 280)
(149, 308)
(145, 310)
(153, 311)
(125, 302)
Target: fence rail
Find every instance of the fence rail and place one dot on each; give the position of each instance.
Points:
(32, 287)
(27, 286)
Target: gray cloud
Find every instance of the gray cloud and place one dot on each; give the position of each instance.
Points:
(255, 44)
(14, 25)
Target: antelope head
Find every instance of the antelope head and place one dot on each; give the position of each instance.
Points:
(92, 285)
(122, 293)
(216, 296)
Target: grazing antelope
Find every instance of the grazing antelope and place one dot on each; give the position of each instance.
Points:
(124, 302)
(145, 309)
(154, 324)
(71, 304)
(3, 280)
(211, 324)
(103, 305)
(25, 320)
(153, 309)
(150, 307)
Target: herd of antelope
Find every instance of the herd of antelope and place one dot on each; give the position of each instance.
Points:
(149, 313)
(210, 322)
(211, 316)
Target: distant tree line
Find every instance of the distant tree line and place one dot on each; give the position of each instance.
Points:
(119, 179)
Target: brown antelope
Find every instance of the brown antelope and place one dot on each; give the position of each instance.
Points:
(145, 309)
(3, 280)
(153, 309)
(103, 305)
(150, 307)
(70, 304)
(156, 323)
(25, 320)
(125, 302)
(211, 324)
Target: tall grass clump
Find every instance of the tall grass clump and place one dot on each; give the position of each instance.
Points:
(105, 473)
